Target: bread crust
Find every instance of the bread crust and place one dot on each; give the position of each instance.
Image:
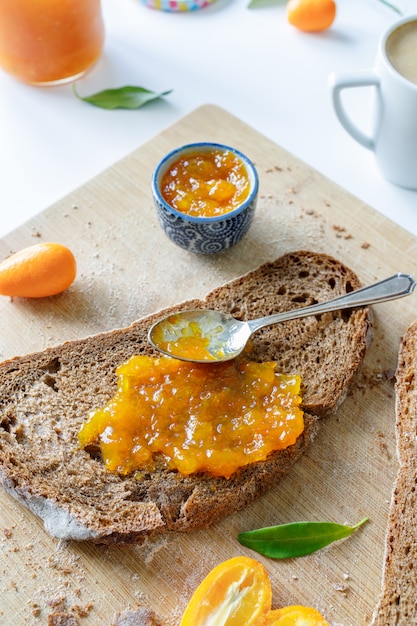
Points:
(398, 600)
(46, 396)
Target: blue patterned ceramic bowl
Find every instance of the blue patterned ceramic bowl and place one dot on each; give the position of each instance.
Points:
(204, 235)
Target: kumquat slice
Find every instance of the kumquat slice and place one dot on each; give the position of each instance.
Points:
(295, 616)
(235, 593)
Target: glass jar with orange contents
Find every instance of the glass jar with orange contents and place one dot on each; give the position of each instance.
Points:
(46, 42)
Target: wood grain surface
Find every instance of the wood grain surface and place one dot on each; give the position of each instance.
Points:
(128, 268)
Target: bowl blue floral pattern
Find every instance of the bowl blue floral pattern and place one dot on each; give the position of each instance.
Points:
(204, 235)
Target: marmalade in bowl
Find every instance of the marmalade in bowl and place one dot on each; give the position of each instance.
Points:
(194, 417)
(206, 184)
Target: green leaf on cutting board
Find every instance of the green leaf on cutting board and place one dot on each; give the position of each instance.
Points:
(127, 97)
(295, 539)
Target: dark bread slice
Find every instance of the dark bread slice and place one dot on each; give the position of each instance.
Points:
(398, 601)
(45, 398)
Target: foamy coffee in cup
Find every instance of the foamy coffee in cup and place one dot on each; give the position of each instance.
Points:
(394, 121)
(401, 50)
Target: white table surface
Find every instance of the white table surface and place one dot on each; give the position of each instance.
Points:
(248, 61)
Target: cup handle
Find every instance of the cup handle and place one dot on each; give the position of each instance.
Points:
(366, 78)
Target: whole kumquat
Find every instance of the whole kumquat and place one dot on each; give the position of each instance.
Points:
(295, 616)
(311, 15)
(236, 592)
(41, 270)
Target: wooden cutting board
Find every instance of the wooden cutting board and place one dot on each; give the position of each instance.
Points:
(128, 268)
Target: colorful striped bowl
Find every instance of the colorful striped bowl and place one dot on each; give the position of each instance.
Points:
(177, 5)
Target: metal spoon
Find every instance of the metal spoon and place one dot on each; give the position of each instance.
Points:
(222, 337)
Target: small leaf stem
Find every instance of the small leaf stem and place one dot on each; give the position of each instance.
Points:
(391, 6)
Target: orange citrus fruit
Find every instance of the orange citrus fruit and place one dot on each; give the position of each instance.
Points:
(41, 270)
(311, 15)
(236, 592)
(295, 616)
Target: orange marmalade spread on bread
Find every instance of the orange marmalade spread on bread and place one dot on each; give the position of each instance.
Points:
(206, 184)
(193, 417)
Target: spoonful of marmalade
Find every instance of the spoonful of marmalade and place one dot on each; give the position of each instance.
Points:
(205, 335)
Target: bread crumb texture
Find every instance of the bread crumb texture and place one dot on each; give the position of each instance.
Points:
(47, 396)
(138, 616)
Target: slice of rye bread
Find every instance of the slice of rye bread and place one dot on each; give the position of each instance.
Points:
(398, 600)
(46, 397)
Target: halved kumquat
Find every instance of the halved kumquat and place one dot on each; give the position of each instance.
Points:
(311, 15)
(235, 593)
(41, 270)
(295, 616)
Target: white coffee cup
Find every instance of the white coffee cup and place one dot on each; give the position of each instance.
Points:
(394, 113)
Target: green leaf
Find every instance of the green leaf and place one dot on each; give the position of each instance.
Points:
(127, 97)
(295, 539)
(254, 4)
